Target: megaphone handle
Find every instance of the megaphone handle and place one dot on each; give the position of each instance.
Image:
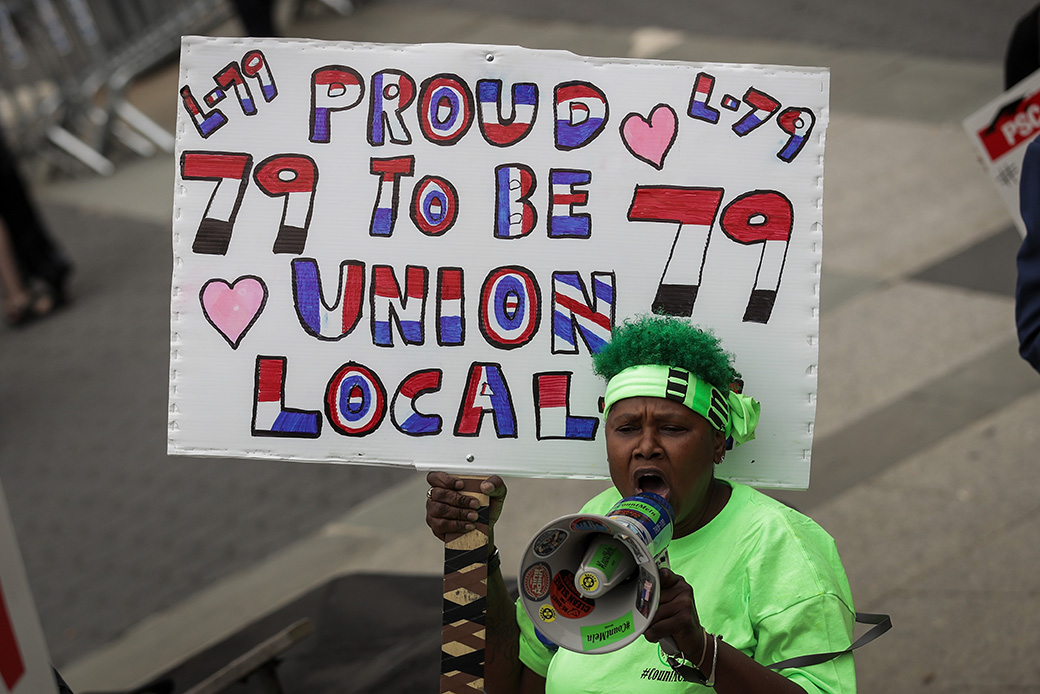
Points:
(465, 588)
(669, 646)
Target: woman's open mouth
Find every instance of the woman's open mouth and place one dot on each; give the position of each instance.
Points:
(651, 482)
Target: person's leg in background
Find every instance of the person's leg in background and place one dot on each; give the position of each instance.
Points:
(38, 258)
(20, 304)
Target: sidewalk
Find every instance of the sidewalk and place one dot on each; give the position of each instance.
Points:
(925, 434)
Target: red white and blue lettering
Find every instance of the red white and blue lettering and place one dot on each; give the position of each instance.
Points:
(500, 131)
(694, 210)
(333, 88)
(765, 217)
(451, 319)
(581, 111)
(515, 216)
(270, 415)
(206, 123)
(388, 306)
(392, 92)
(435, 205)
(553, 419)
(445, 109)
(254, 65)
(214, 233)
(318, 318)
(355, 400)
(486, 391)
(564, 223)
(798, 123)
(575, 313)
(510, 306)
(403, 413)
(762, 106)
(231, 78)
(699, 109)
(294, 177)
(390, 171)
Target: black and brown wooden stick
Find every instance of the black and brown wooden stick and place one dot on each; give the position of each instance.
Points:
(465, 602)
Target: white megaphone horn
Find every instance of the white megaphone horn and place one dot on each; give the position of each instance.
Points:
(591, 583)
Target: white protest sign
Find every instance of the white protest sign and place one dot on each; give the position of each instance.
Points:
(1000, 131)
(24, 664)
(406, 254)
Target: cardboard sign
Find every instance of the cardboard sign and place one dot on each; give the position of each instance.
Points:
(1000, 131)
(24, 664)
(405, 255)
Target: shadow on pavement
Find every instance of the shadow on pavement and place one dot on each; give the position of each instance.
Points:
(373, 633)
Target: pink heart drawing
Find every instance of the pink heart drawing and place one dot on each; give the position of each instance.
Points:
(650, 139)
(233, 308)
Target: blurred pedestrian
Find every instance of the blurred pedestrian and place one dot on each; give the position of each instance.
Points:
(21, 305)
(257, 16)
(1023, 59)
(1023, 52)
(1027, 288)
(43, 268)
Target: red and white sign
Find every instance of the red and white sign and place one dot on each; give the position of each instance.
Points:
(1000, 132)
(24, 664)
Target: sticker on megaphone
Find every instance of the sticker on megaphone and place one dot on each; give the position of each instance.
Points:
(590, 583)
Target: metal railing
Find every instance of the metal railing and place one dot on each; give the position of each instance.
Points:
(65, 66)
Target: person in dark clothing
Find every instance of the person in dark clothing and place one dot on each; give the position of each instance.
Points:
(1023, 59)
(1023, 52)
(257, 16)
(1027, 288)
(20, 305)
(43, 268)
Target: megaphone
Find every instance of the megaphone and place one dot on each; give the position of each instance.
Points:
(591, 583)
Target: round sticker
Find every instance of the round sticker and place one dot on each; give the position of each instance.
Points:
(589, 581)
(587, 524)
(536, 581)
(566, 598)
(549, 541)
(547, 613)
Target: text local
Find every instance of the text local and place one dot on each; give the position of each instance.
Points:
(355, 404)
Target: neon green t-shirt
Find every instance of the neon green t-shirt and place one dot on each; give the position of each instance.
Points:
(765, 578)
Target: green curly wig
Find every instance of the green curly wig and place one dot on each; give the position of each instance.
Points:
(666, 341)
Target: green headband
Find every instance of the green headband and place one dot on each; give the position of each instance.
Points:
(734, 414)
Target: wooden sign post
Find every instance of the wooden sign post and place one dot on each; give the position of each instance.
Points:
(465, 602)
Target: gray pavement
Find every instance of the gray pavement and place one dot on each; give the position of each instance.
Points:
(925, 436)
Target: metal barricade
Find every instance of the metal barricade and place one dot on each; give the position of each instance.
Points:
(65, 66)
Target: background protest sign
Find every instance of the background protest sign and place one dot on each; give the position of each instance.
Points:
(405, 254)
(25, 667)
(1000, 131)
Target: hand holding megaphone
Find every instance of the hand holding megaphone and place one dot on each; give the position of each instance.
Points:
(676, 618)
(622, 558)
(594, 584)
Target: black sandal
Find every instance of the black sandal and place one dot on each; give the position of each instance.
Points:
(40, 305)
